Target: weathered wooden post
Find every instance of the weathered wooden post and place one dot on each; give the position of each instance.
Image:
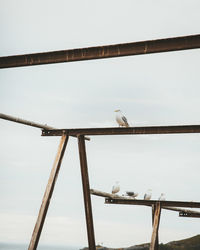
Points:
(86, 192)
(156, 210)
(48, 193)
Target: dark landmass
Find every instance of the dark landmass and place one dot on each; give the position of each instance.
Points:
(192, 243)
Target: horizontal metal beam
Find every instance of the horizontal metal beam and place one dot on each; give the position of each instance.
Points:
(189, 214)
(99, 52)
(124, 131)
(122, 201)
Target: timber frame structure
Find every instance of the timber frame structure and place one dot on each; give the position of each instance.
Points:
(100, 52)
(156, 206)
(110, 199)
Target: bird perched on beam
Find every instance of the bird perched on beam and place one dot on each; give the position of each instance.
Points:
(131, 194)
(115, 188)
(121, 119)
(162, 197)
(148, 194)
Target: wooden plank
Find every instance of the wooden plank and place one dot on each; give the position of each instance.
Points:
(86, 192)
(28, 123)
(154, 243)
(48, 194)
(103, 194)
(184, 211)
(25, 122)
(106, 51)
(124, 131)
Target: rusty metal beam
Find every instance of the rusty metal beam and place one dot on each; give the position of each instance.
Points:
(151, 202)
(48, 194)
(124, 131)
(189, 214)
(86, 192)
(99, 52)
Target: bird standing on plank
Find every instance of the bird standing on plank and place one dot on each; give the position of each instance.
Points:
(115, 188)
(131, 194)
(162, 197)
(148, 194)
(121, 119)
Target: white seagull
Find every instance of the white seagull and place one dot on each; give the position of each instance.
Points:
(162, 197)
(121, 119)
(132, 194)
(115, 188)
(148, 194)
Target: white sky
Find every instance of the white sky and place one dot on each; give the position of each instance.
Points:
(157, 89)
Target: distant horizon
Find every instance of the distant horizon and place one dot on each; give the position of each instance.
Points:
(53, 246)
(73, 247)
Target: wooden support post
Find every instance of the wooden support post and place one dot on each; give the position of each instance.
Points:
(154, 238)
(153, 216)
(153, 213)
(48, 193)
(86, 192)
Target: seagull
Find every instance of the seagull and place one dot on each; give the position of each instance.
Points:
(148, 194)
(162, 197)
(121, 119)
(115, 188)
(131, 194)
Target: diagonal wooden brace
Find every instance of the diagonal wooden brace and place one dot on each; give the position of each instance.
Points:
(48, 193)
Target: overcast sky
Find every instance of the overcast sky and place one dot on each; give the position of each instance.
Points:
(157, 89)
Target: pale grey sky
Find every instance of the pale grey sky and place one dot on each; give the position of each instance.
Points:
(157, 89)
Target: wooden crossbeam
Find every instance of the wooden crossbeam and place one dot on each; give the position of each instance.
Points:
(183, 212)
(125, 200)
(124, 131)
(28, 123)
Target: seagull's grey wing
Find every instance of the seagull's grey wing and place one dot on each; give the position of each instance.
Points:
(130, 193)
(125, 121)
